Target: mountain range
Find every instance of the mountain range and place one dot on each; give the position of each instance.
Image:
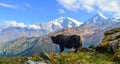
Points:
(21, 39)
(12, 30)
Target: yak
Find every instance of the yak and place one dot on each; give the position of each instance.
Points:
(67, 41)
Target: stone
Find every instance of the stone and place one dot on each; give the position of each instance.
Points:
(45, 55)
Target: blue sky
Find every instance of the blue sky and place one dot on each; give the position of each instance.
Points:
(32, 11)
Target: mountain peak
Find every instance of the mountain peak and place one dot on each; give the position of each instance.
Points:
(66, 21)
(99, 18)
(101, 15)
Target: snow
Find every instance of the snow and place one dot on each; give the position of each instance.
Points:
(75, 21)
(97, 19)
(100, 14)
(66, 22)
(117, 16)
(33, 27)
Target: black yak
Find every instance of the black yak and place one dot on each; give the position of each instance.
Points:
(65, 41)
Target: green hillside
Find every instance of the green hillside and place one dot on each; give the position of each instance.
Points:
(81, 57)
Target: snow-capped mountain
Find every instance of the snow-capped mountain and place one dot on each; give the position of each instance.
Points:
(99, 18)
(93, 29)
(65, 22)
(60, 23)
(12, 30)
(100, 22)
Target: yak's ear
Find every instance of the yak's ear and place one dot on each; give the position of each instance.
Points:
(52, 37)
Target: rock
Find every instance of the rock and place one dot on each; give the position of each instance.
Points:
(32, 62)
(45, 56)
(116, 56)
(114, 45)
(110, 42)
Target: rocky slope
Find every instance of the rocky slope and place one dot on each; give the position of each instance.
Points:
(20, 46)
(111, 43)
(28, 46)
(111, 38)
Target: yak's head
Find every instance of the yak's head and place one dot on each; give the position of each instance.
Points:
(54, 39)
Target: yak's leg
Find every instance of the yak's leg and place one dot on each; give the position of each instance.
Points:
(76, 49)
(61, 48)
(76, 46)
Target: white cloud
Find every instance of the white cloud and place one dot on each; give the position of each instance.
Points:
(34, 26)
(61, 11)
(7, 5)
(117, 16)
(110, 6)
(13, 23)
(70, 4)
(25, 6)
(91, 5)
(21, 6)
(86, 4)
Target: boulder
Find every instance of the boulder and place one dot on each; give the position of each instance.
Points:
(33, 62)
(110, 42)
